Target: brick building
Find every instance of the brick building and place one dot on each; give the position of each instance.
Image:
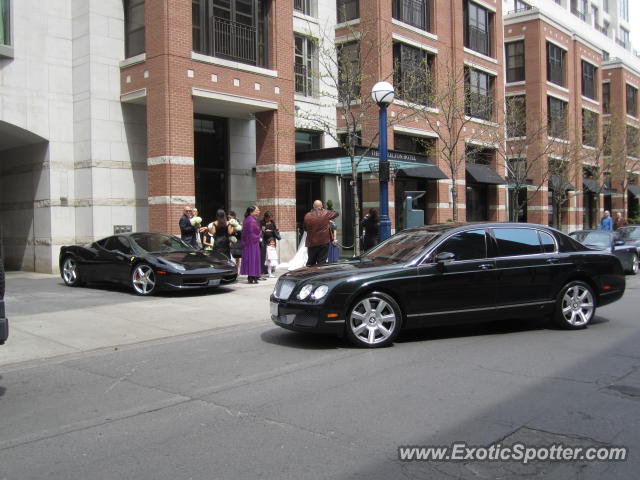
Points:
(116, 114)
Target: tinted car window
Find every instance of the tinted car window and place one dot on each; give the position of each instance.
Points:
(117, 243)
(548, 245)
(517, 241)
(157, 242)
(402, 246)
(470, 245)
(629, 233)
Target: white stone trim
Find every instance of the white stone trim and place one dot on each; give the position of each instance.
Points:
(415, 131)
(558, 96)
(415, 106)
(468, 63)
(411, 28)
(199, 57)
(484, 57)
(127, 62)
(479, 143)
(172, 200)
(557, 44)
(559, 87)
(275, 167)
(413, 43)
(491, 8)
(169, 160)
(521, 83)
(348, 23)
(278, 202)
(351, 37)
(438, 205)
(587, 99)
(515, 38)
(482, 121)
(134, 96)
(515, 93)
(227, 97)
(590, 108)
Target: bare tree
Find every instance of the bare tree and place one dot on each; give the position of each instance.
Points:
(340, 78)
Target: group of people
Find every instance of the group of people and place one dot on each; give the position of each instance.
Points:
(253, 241)
(608, 223)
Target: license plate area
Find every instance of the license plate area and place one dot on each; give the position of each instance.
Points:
(214, 282)
(274, 309)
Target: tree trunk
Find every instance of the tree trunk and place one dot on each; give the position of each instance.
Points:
(454, 198)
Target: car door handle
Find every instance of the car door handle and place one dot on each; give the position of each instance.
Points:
(485, 266)
(552, 260)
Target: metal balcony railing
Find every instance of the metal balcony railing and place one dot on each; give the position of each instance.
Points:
(234, 41)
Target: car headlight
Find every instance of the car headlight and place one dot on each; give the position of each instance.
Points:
(320, 292)
(175, 266)
(304, 292)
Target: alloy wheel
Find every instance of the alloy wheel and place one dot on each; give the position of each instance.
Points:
(70, 271)
(577, 306)
(373, 321)
(143, 279)
(634, 264)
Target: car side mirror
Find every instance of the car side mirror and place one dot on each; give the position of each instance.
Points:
(618, 243)
(444, 257)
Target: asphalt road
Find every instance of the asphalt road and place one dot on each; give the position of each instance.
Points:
(254, 401)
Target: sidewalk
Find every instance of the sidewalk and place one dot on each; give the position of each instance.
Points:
(48, 319)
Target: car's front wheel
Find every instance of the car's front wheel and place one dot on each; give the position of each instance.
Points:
(575, 306)
(143, 280)
(374, 320)
(70, 272)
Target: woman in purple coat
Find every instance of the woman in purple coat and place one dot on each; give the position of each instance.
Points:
(250, 265)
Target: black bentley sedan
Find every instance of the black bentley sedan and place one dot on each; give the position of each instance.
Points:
(148, 262)
(442, 274)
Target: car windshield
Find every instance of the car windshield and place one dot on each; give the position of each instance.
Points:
(629, 233)
(402, 247)
(159, 243)
(595, 239)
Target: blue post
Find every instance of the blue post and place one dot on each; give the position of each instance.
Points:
(383, 174)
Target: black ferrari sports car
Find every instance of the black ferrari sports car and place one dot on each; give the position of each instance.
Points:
(451, 273)
(148, 262)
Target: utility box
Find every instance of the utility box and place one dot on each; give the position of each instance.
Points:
(413, 217)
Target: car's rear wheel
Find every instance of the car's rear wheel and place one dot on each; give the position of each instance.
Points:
(634, 265)
(143, 280)
(575, 306)
(70, 272)
(374, 320)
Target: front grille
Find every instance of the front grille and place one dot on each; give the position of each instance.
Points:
(195, 281)
(283, 289)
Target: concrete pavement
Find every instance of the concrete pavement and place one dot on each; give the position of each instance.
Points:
(49, 319)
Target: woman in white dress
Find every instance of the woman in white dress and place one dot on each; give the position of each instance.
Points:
(299, 260)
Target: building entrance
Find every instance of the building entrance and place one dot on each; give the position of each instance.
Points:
(211, 154)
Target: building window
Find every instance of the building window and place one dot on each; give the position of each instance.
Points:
(579, 9)
(414, 12)
(589, 80)
(515, 61)
(305, 65)
(556, 118)
(516, 121)
(555, 64)
(420, 145)
(605, 5)
(308, 140)
(477, 28)
(343, 139)
(347, 10)
(589, 128)
(633, 141)
(478, 94)
(606, 98)
(632, 101)
(231, 29)
(623, 39)
(5, 22)
(305, 6)
(348, 72)
(624, 9)
(412, 73)
(134, 27)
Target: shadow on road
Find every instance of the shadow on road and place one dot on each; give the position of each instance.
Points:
(301, 340)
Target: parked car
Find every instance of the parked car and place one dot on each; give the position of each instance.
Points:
(148, 262)
(4, 322)
(607, 241)
(630, 235)
(451, 273)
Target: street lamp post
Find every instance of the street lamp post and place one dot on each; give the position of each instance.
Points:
(382, 93)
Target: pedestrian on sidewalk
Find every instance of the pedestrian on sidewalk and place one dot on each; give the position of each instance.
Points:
(316, 225)
(272, 257)
(188, 231)
(236, 238)
(222, 231)
(269, 231)
(605, 222)
(251, 245)
(619, 221)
